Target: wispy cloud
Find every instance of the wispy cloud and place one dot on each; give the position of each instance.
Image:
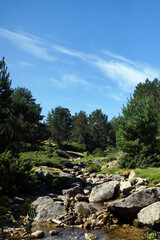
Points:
(26, 64)
(124, 72)
(28, 43)
(69, 80)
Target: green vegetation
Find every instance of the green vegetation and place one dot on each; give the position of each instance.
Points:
(28, 143)
(151, 174)
(112, 170)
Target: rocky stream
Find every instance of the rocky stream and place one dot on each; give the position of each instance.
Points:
(89, 207)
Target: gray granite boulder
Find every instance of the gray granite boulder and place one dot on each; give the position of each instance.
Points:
(46, 209)
(150, 215)
(129, 207)
(104, 191)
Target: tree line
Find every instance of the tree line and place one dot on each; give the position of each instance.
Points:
(135, 131)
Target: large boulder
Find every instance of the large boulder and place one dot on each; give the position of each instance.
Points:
(104, 191)
(47, 208)
(150, 215)
(128, 208)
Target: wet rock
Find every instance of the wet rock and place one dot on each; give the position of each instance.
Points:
(84, 209)
(53, 232)
(129, 207)
(46, 208)
(37, 234)
(90, 236)
(87, 225)
(150, 215)
(104, 192)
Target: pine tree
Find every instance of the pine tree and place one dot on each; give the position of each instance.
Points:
(79, 128)
(136, 137)
(5, 107)
(59, 122)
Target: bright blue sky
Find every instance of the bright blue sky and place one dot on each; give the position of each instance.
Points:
(83, 55)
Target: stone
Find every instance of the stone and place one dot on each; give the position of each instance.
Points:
(87, 224)
(150, 215)
(90, 236)
(125, 186)
(43, 173)
(129, 207)
(72, 192)
(46, 209)
(92, 175)
(37, 234)
(104, 191)
(101, 175)
(53, 232)
(141, 181)
(81, 198)
(132, 175)
(84, 209)
(140, 188)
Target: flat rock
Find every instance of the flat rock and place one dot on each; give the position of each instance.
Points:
(104, 191)
(37, 234)
(46, 209)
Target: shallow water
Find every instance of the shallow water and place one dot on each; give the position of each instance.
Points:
(69, 233)
(119, 233)
(79, 234)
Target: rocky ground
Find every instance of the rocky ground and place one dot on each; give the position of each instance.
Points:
(123, 200)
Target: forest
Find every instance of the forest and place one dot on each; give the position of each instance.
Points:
(27, 139)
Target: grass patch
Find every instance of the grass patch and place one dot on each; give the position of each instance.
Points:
(112, 170)
(151, 174)
(44, 158)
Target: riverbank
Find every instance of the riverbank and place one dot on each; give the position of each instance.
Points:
(88, 202)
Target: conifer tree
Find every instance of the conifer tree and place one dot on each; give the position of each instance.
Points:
(5, 107)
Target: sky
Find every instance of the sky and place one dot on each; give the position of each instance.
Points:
(82, 55)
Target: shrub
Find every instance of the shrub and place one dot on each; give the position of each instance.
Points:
(62, 154)
(93, 167)
(141, 161)
(44, 158)
(98, 153)
(15, 173)
(74, 146)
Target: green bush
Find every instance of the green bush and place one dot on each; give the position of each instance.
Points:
(44, 158)
(98, 153)
(74, 146)
(15, 174)
(62, 154)
(93, 167)
(141, 161)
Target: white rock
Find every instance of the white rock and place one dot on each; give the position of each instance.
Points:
(150, 215)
